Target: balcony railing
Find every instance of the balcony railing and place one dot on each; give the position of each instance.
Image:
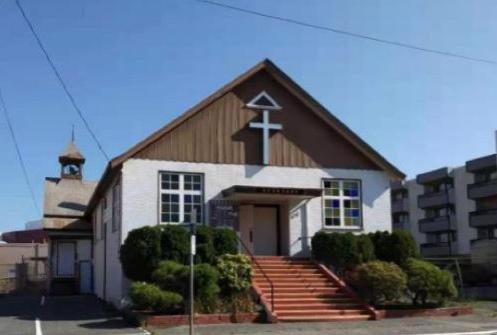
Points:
(483, 218)
(434, 176)
(435, 249)
(400, 205)
(436, 199)
(437, 224)
(481, 164)
(400, 225)
(482, 189)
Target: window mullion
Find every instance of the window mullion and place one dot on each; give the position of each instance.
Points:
(181, 198)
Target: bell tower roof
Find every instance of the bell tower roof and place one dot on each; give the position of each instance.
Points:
(71, 154)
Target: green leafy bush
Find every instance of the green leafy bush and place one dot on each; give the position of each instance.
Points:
(365, 248)
(140, 253)
(205, 245)
(428, 282)
(381, 242)
(175, 243)
(340, 250)
(396, 247)
(144, 295)
(225, 241)
(167, 302)
(379, 281)
(235, 277)
(402, 247)
(171, 276)
(206, 287)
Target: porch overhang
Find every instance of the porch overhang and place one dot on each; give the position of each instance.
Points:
(243, 192)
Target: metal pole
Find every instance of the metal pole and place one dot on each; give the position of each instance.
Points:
(192, 263)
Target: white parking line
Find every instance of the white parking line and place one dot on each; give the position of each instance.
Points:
(38, 327)
(483, 332)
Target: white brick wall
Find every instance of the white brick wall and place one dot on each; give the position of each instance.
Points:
(140, 205)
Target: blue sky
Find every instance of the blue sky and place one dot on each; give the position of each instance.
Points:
(134, 65)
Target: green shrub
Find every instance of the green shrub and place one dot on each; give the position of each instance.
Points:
(171, 276)
(340, 250)
(225, 241)
(206, 287)
(381, 243)
(175, 277)
(143, 295)
(235, 277)
(205, 246)
(379, 281)
(396, 247)
(428, 282)
(140, 253)
(175, 243)
(402, 247)
(365, 248)
(168, 302)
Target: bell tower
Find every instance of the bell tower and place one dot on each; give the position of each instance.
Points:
(71, 161)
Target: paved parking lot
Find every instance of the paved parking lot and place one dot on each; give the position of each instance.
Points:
(72, 315)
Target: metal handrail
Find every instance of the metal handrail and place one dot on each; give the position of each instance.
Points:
(271, 285)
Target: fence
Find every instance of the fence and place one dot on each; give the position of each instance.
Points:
(29, 275)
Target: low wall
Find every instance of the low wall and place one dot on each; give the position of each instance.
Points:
(405, 313)
(163, 321)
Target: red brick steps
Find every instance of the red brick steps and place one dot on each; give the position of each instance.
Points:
(303, 291)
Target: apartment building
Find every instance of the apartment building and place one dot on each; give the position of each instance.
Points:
(450, 211)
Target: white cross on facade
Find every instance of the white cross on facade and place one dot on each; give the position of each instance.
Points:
(266, 127)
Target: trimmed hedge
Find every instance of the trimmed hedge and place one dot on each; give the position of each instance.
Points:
(175, 243)
(141, 252)
(396, 247)
(379, 281)
(235, 278)
(146, 296)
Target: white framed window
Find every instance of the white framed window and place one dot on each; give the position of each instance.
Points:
(342, 204)
(116, 206)
(180, 193)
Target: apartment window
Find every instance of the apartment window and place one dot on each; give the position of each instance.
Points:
(486, 233)
(180, 194)
(342, 203)
(116, 206)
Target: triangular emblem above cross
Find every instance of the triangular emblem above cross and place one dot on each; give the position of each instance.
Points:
(266, 103)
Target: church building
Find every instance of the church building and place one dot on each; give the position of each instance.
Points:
(260, 156)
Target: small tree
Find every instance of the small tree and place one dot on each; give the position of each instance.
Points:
(427, 281)
(140, 253)
(235, 277)
(379, 281)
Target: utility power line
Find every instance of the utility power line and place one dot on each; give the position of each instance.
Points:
(61, 80)
(348, 33)
(18, 151)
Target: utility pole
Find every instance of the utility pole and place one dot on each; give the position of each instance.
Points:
(193, 220)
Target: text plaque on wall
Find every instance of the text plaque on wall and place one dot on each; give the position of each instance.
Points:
(224, 213)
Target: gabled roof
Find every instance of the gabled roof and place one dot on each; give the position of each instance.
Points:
(283, 80)
(72, 153)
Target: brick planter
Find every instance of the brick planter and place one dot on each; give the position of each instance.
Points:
(406, 313)
(164, 321)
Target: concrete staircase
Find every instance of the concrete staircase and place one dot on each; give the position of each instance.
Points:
(305, 291)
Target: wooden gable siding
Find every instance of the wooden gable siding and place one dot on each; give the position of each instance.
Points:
(220, 134)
